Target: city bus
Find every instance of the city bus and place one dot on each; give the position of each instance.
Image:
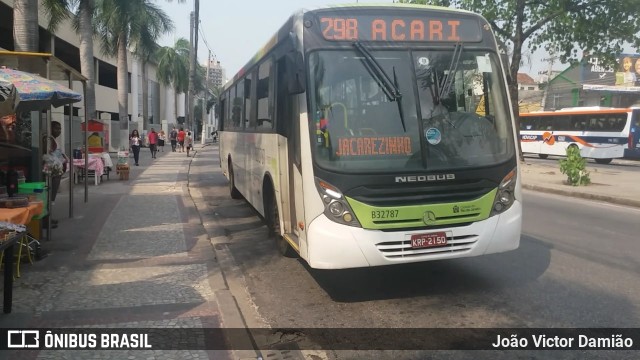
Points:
(600, 133)
(354, 133)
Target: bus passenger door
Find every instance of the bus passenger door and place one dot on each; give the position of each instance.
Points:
(288, 115)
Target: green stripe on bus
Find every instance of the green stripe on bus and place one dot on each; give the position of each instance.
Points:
(398, 217)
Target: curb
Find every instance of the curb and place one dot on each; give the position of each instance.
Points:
(230, 309)
(583, 195)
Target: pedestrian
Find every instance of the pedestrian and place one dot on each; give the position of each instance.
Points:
(173, 137)
(161, 139)
(181, 135)
(135, 141)
(57, 156)
(188, 142)
(153, 142)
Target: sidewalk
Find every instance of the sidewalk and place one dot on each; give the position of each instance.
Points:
(135, 256)
(617, 184)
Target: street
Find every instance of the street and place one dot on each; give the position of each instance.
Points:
(575, 268)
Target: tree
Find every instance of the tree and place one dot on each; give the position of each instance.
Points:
(125, 23)
(25, 25)
(59, 10)
(600, 26)
(173, 67)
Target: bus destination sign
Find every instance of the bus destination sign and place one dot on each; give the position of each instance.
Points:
(393, 28)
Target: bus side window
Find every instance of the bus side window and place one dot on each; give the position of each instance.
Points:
(264, 95)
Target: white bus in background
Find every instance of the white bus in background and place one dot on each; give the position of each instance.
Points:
(600, 133)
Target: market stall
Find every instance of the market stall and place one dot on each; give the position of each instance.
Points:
(36, 92)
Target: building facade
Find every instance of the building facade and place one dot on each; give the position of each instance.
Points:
(591, 83)
(64, 44)
(217, 74)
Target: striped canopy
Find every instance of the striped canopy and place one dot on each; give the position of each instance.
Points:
(34, 92)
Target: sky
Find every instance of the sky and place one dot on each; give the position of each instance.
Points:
(235, 30)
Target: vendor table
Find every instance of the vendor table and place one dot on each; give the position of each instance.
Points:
(95, 164)
(21, 216)
(7, 246)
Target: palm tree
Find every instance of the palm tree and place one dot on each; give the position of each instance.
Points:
(25, 25)
(173, 67)
(125, 23)
(59, 10)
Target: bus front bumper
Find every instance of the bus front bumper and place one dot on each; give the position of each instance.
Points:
(336, 246)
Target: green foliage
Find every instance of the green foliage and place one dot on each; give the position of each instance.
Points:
(574, 166)
(599, 26)
(173, 65)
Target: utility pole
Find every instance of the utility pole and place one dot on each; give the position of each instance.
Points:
(187, 97)
(193, 63)
(204, 101)
(551, 60)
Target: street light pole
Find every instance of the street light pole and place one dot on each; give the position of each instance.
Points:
(204, 101)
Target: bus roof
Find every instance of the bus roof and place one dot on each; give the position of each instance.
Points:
(287, 26)
(393, 5)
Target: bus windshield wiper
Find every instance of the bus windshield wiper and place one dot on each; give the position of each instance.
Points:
(450, 76)
(378, 73)
(399, 100)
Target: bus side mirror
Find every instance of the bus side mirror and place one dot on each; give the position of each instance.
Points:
(296, 83)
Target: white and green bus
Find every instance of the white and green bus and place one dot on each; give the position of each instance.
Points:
(356, 133)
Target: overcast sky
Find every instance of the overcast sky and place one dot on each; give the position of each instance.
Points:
(236, 29)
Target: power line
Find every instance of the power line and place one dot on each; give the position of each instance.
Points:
(204, 39)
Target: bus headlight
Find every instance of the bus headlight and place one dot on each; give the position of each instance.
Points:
(336, 206)
(506, 194)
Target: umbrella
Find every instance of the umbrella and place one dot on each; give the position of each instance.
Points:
(8, 98)
(35, 92)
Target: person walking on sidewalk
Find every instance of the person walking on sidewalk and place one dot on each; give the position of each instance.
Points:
(181, 135)
(173, 137)
(188, 142)
(135, 141)
(153, 142)
(56, 152)
(161, 139)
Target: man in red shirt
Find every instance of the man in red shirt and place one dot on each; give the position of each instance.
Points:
(181, 135)
(153, 143)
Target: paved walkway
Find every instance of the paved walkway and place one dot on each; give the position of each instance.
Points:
(135, 256)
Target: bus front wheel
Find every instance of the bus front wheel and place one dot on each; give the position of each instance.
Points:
(543, 156)
(233, 191)
(603, 161)
(272, 216)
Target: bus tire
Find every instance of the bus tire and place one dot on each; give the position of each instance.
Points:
(272, 217)
(603, 161)
(543, 156)
(233, 191)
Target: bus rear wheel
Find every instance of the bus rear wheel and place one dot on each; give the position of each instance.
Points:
(233, 191)
(272, 216)
(543, 156)
(603, 161)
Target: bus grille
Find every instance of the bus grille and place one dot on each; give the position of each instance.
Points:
(402, 249)
(405, 195)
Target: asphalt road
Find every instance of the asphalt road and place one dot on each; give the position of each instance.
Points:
(577, 266)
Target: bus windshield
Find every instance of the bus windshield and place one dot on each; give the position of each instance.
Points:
(451, 114)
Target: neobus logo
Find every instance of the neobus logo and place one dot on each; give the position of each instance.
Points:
(425, 178)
